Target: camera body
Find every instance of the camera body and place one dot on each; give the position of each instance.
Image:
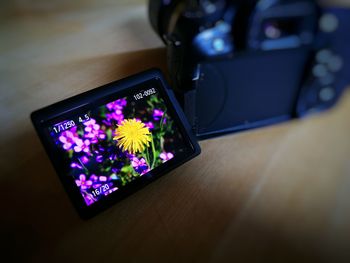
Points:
(239, 64)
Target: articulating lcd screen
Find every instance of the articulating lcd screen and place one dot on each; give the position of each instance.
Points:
(111, 145)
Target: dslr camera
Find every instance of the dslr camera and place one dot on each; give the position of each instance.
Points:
(240, 64)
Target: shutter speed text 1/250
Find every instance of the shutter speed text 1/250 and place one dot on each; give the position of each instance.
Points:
(65, 125)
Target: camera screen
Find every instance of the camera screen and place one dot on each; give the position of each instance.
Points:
(106, 147)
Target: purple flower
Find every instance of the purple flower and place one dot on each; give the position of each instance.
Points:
(76, 165)
(83, 183)
(116, 111)
(84, 159)
(130, 156)
(68, 138)
(99, 158)
(114, 116)
(166, 156)
(140, 165)
(82, 146)
(93, 178)
(158, 114)
(93, 131)
(80, 164)
(116, 105)
(138, 162)
(149, 125)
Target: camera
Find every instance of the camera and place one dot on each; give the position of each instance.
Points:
(240, 64)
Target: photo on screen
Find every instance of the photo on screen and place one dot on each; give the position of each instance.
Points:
(116, 143)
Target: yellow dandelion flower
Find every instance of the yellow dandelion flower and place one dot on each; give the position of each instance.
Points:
(132, 136)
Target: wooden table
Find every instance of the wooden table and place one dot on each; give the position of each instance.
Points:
(277, 194)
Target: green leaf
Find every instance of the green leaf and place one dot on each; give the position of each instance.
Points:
(127, 169)
(109, 134)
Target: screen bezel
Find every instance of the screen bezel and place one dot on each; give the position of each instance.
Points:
(99, 96)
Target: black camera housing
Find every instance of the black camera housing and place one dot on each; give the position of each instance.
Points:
(241, 64)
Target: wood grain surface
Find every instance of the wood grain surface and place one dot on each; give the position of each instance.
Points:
(277, 194)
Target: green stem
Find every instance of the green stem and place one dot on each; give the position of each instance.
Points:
(86, 170)
(146, 156)
(162, 120)
(153, 152)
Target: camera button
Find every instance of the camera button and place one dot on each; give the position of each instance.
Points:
(319, 70)
(328, 23)
(323, 56)
(335, 63)
(326, 94)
